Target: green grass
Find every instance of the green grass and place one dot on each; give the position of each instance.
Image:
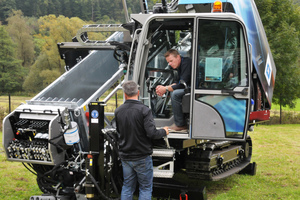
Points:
(15, 101)
(276, 150)
(16, 182)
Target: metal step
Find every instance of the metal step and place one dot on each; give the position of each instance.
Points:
(165, 170)
(169, 153)
(165, 174)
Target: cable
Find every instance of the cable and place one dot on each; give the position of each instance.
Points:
(115, 154)
(29, 169)
(112, 140)
(99, 190)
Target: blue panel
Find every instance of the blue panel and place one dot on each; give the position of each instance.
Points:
(233, 112)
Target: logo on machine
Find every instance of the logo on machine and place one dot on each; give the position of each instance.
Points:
(268, 70)
(94, 115)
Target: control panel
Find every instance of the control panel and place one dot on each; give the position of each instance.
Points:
(32, 134)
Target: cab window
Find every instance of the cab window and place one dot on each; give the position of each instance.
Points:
(221, 56)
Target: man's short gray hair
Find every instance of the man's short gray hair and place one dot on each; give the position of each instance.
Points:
(130, 88)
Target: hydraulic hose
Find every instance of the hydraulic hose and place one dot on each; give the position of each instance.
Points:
(110, 137)
(112, 140)
(99, 189)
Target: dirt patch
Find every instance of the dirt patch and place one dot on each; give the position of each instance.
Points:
(22, 179)
(20, 189)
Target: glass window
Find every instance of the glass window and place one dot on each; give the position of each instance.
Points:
(221, 55)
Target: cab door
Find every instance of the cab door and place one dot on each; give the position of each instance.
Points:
(220, 94)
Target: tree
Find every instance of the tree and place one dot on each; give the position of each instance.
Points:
(76, 8)
(6, 6)
(20, 33)
(49, 65)
(66, 8)
(39, 76)
(11, 71)
(26, 7)
(281, 19)
(135, 7)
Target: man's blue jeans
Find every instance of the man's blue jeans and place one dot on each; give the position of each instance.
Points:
(176, 99)
(140, 171)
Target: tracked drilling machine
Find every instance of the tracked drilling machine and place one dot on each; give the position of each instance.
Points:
(67, 139)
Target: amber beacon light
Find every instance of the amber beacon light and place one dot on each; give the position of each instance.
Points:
(217, 7)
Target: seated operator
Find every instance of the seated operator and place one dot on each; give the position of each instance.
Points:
(183, 65)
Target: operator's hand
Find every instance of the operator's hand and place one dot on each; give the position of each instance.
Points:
(160, 90)
(167, 130)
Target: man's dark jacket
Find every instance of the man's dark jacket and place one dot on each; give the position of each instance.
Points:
(136, 127)
(184, 73)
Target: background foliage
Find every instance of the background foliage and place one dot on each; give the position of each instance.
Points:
(29, 61)
(48, 65)
(93, 10)
(281, 19)
(36, 26)
(11, 72)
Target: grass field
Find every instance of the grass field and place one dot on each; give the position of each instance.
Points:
(15, 101)
(276, 150)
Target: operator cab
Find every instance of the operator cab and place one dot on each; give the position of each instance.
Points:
(217, 102)
(165, 36)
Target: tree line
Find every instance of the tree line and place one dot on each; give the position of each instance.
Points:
(31, 29)
(29, 58)
(87, 10)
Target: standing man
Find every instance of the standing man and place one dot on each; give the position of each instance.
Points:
(136, 127)
(183, 65)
